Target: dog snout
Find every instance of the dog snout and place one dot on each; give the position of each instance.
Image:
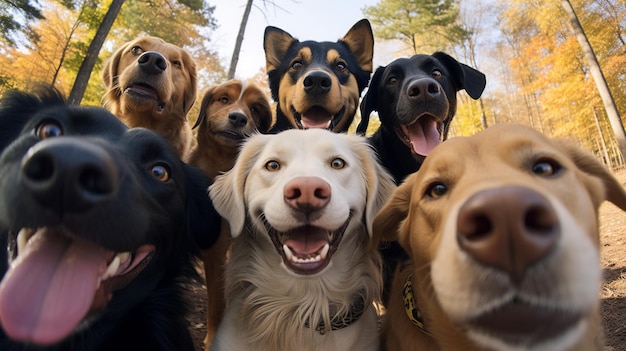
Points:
(423, 89)
(237, 119)
(307, 194)
(317, 83)
(152, 62)
(508, 228)
(69, 175)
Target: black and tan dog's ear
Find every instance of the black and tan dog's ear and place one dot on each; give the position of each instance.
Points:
(276, 42)
(360, 41)
(463, 76)
(204, 106)
(388, 221)
(203, 221)
(369, 103)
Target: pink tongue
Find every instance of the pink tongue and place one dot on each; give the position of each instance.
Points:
(316, 117)
(50, 287)
(424, 136)
(306, 241)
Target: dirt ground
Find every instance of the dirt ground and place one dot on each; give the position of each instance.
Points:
(613, 293)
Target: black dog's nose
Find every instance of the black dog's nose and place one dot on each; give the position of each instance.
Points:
(423, 89)
(317, 82)
(69, 175)
(152, 62)
(237, 119)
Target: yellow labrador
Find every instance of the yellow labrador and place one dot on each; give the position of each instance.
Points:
(303, 271)
(502, 231)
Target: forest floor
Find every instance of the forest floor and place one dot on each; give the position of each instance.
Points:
(613, 293)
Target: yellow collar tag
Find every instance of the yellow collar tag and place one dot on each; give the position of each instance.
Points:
(410, 308)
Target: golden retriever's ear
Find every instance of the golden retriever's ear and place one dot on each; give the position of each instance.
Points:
(191, 91)
(387, 222)
(276, 42)
(109, 71)
(204, 106)
(360, 40)
(227, 192)
(611, 189)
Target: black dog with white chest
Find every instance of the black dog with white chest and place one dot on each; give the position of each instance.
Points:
(99, 223)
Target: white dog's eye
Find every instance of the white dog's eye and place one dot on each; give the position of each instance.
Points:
(337, 163)
(272, 165)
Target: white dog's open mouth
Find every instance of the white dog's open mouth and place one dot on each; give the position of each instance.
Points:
(306, 249)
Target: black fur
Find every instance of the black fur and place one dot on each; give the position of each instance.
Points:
(118, 204)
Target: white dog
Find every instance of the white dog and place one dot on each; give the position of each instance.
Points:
(304, 269)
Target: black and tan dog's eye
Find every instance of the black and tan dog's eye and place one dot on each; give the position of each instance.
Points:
(337, 163)
(161, 172)
(436, 190)
(546, 168)
(341, 65)
(272, 165)
(49, 129)
(297, 65)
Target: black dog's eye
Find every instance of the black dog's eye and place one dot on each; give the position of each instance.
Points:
(337, 163)
(546, 168)
(392, 81)
(136, 50)
(436, 74)
(297, 65)
(436, 190)
(161, 172)
(272, 165)
(49, 129)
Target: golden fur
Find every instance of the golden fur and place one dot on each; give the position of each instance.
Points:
(152, 84)
(477, 292)
(229, 113)
(269, 297)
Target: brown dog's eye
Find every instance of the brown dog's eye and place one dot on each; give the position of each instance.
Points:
(546, 168)
(177, 64)
(161, 172)
(436, 190)
(436, 74)
(49, 129)
(136, 50)
(392, 81)
(297, 65)
(337, 163)
(272, 165)
(224, 99)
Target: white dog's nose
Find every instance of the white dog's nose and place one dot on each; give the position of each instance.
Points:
(307, 194)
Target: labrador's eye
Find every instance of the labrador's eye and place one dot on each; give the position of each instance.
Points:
(546, 168)
(49, 129)
(161, 172)
(436, 190)
(436, 74)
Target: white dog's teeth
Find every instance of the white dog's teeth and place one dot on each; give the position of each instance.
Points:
(22, 239)
(288, 253)
(324, 252)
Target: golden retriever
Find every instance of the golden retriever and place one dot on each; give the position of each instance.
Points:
(229, 113)
(502, 232)
(303, 271)
(152, 84)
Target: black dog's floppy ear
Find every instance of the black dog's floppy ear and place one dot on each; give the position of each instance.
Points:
(203, 221)
(370, 101)
(464, 76)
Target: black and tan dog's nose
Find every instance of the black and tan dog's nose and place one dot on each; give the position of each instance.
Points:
(307, 194)
(69, 175)
(152, 62)
(317, 83)
(509, 228)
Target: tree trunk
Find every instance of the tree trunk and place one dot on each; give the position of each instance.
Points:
(84, 72)
(598, 77)
(242, 29)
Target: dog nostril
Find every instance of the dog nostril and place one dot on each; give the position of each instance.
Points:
(433, 88)
(540, 220)
(94, 181)
(326, 83)
(237, 119)
(475, 228)
(40, 167)
(308, 82)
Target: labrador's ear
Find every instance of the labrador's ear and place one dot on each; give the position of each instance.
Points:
(227, 192)
(203, 221)
(463, 76)
(389, 219)
(369, 103)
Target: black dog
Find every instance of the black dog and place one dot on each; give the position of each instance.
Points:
(318, 84)
(416, 101)
(99, 221)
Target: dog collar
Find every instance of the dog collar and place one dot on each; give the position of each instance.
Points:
(411, 308)
(342, 321)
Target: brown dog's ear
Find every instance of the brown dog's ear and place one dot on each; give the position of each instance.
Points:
(191, 92)
(204, 106)
(109, 71)
(227, 192)
(612, 190)
(387, 222)
(360, 41)
(276, 42)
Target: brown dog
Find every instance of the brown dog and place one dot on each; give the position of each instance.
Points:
(502, 231)
(152, 84)
(229, 113)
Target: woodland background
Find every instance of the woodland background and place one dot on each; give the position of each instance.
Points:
(536, 71)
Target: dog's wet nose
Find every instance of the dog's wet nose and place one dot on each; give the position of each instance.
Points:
(307, 194)
(152, 62)
(69, 175)
(508, 228)
(423, 89)
(317, 82)
(237, 119)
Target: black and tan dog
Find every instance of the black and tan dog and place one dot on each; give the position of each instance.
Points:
(318, 84)
(98, 223)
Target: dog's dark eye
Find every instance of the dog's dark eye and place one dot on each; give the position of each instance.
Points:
(546, 168)
(436, 190)
(341, 66)
(136, 50)
(224, 99)
(296, 65)
(436, 74)
(161, 172)
(392, 81)
(337, 163)
(177, 64)
(272, 165)
(49, 129)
